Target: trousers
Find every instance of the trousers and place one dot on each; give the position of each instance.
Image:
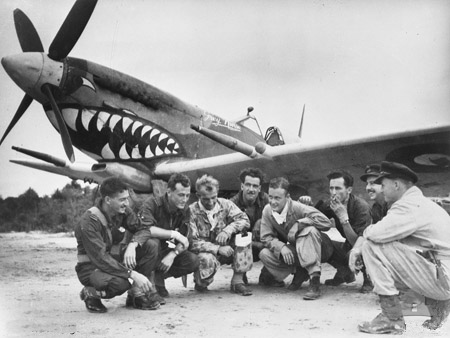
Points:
(183, 264)
(89, 275)
(393, 266)
(309, 253)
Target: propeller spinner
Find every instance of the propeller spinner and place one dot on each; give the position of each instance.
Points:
(66, 38)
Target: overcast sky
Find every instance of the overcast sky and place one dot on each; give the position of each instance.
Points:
(361, 67)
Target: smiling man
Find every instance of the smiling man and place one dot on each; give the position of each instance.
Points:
(168, 219)
(292, 234)
(106, 261)
(379, 207)
(252, 201)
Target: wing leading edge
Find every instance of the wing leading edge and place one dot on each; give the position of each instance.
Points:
(426, 151)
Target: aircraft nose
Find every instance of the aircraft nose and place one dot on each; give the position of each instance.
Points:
(24, 69)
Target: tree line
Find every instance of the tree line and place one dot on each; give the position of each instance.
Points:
(58, 212)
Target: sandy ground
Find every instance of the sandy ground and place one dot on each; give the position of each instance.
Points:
(39, 298)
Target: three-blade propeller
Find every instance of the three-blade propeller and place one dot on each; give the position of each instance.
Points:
(66, 38)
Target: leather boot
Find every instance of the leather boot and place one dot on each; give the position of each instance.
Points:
(245, 279)
(300, 276)
(390, 320)
(343, 275)
(145, 302)
(267, 279)
(367, 283)
(314, 289)
(92, 300)
(160, 284)
(439, 311)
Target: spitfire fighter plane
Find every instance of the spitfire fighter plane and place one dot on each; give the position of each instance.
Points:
(140, 133)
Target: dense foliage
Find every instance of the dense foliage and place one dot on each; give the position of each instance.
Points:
(56, 213)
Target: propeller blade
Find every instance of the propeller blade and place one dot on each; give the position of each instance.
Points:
(26, 101)
(71, 29)
(28, 37)
(67, 142)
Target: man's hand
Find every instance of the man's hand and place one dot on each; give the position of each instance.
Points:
(129, 258)
(305, 200)
(141, 281)
(222, 238)
(355, 261)
(180, 239)
(339, 209)
(226, 251)
(167, 262)
(288, 256)
(292, 235)
(256, 232)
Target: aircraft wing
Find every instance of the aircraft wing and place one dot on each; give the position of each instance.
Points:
(426, 151)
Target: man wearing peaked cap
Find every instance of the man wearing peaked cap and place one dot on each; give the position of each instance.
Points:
(379, 207)
(409, 247)
(396, 170)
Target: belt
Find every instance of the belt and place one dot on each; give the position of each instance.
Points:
(83, 258)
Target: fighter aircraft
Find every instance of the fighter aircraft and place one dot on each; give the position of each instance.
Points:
(140, 133)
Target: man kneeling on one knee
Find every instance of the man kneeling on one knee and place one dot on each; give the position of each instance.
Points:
(291, 233)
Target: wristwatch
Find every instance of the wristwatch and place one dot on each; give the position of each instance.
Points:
(176, 252)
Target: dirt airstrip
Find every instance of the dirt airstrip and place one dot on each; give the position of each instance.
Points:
(39, 298)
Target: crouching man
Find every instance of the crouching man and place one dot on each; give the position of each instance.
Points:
(409, 248)
(168, 218)
(214, 223)
(291, 232)
(106, 263)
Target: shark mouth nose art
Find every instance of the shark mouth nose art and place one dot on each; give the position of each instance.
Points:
(115, 136)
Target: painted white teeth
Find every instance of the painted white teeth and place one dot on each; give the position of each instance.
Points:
(148, 152)
(135, 153)
(158, 151)
(70, 117)
(126, 122)
(86, 117)
(135, 126)
(107, 152)
(113, 121)
(102, 119)
(105, 119)
(145, 130)
(153, 133)
(123, 154)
